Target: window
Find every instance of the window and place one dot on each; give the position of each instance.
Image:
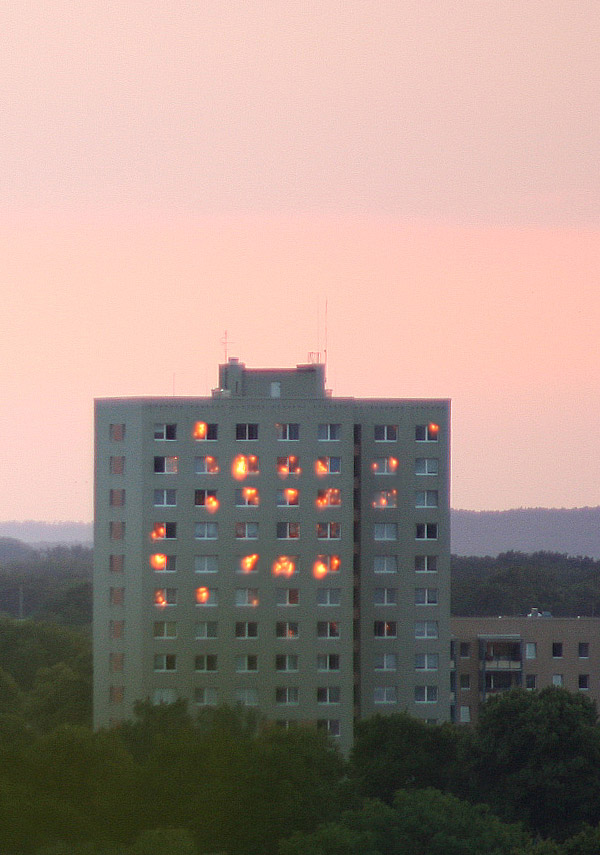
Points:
(165, 431)
(205, 696)
(286, 695)
(287, 498)
(427, 433)
(384, 465)
(246, 629)
(331, 497)
(116, 662)
(426, 694)
(583, 681)
(557, 679)
(385, 433)
(465, 682)
(116, 498)
(465, 650)
(329, 531)
(206, 531)
(384, 629)
(165, 597)
(385, 596)
(288, 530)
(165, 662)
(206, 499)
(163, 563)
(164, 531)
(206, 596)
(247, 497)
(328, 596)
(385, 564)
(328, 694)
(426, 466)
(328, 662)
(328, 629)
(165, 629)
(246, 697)
(530, 650)
(329, 432)
(206, 465)
(284, 565)
(116, 432)
(326, 564)
(246, 431)
(166, 465)
(246, 663)
(289, 432)
(583, 649)
(286, 629)
(385, 531)
(426, 661)
(426, 499)
(287, 596)
(557, 650)
(330, 725)
(286, 662)
(385, 695)
(426, 629)
(288, 465)
(116, 563)
(205, 431)
(165, 498)
(425, 563)
(116, 629)
(116, 694)
(164, 696)
(247, 563)
(206, 564)
(275, 389)
(531, 681)
(206, 629)
(117, 596)
(328, 465)
(465, 715)
(246, 596)
(426, 531)
(205, 662)
(385, 499)
(426, 596)
(116, 530)
(386, 662)
(117, 465)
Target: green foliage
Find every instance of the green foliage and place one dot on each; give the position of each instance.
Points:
(164, 841)
(538, 759)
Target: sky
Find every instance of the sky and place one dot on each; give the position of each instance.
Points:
(414, 185)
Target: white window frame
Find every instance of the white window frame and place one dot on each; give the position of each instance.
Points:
(286, 530)
(244, 663)
(385, 629)
(211, 601)
(385, 695)
(426, 629)
(246, 530)
(284, 431)
(385, 662)
(249, 627)
(384, 466)
(427, 433)
(288, 630)
(426, 597)
(206, 629)
(246, 696)
(246, 597)
(206, 531)
(385, 564)
(169, 465)
(206, 563)
(328, 629)
(289, 465)
(385, 597)
(250, 500)
(202, 661)
(427, 466)
(329, 531)
(328, 662)
(426, 563)
(201, 495)
(428, 694)
(383, 499)
(287, 497)
(287, 597)
(246, 428)
(426, 531)
(329, 432)
(211, 428)
(427, 661)
(426, 498)
(388, 433)
(165, 498)
(385, 532)
(164, 629)
(205, 696)
(206, 464)
(329, 695)
(165, 662)
(326, 495)
(163, 429)
(331, 465)
(169, 595)
(289, 660)
(329, 596)
(287, 696)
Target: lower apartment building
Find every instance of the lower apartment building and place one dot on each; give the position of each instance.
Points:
(496, 654)
(273, 546)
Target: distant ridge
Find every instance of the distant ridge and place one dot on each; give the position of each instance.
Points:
(46, 533)
(571, 531)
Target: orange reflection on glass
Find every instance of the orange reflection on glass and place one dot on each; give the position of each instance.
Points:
(327, 498)
(248, 563)
(202, 595)
(239, 467)
(392, 464)
(386, 498)
(284, 566)
(433, 428)
(200, 430)
(334, 563)
(321, 467)
(326, 564)
(250, 495)
(291, 496)
(212, 466)
(320, 569)
(158, 561)
(160, 598)
(212, 504)
(158, 532)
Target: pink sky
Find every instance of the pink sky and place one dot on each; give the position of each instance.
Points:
(431, 168)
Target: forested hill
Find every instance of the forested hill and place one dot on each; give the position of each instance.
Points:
(571, 531)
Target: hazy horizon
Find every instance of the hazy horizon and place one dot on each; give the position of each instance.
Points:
(430, 169)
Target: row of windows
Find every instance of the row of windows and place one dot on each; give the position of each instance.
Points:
(285, 629)
(251, 563)
(283, 531)
(531, 651)
(288, 596)
(245, 497)
(283, 431)
(502, 681)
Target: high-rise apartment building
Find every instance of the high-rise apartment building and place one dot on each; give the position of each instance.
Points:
(275, 547)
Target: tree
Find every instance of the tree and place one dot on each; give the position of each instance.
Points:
(538, 759)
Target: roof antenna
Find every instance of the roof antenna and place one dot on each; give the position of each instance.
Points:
(225, 341)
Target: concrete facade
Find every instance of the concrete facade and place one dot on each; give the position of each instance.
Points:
(496, 654)
(273, 546)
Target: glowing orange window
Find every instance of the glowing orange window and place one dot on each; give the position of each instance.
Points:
(331, 497)
(243, 465)
(202, 430)
(326, 564)
(288, 465)
(249, 563)
(284, 565)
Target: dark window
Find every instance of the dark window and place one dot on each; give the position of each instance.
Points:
(584, 649)
(557, 649)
